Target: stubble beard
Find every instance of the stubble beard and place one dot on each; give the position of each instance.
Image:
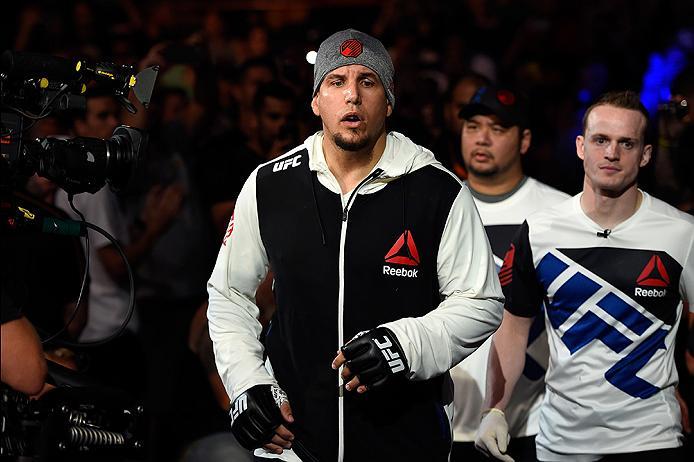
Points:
(354, 145)
(486, 173)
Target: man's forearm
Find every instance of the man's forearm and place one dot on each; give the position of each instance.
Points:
(506, 359)
(440, 339)
(235, 330)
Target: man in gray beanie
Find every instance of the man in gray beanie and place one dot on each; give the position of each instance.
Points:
(353, 47)
(377, 252)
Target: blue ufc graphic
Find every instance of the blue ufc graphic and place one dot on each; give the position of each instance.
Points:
(571, 295)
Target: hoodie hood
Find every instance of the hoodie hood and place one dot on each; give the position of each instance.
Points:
(400, 157)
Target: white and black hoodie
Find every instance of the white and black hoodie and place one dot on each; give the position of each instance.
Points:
(406, 250)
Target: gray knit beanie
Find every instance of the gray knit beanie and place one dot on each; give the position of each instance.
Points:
(353, 47)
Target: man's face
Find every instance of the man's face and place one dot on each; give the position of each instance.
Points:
(101, 118)
(489, 148)
(352, 105)
(613, 148)
(273, 117)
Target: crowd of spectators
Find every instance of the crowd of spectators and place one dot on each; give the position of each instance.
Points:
(562, 54)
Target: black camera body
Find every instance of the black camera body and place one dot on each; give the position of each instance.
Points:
(75, 420)
(33, 86)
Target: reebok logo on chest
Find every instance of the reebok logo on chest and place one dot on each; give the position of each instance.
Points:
(403, 253)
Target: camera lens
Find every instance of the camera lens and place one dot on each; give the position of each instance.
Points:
(125, 149)
(85, 164)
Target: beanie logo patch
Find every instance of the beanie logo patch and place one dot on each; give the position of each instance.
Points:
(351, 48)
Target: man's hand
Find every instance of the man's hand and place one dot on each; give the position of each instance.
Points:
(371, 358)
(492, 437)
(162, 205)
(258, 416)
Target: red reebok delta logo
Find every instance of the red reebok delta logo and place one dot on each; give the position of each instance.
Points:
(405, 242)
(654, 274)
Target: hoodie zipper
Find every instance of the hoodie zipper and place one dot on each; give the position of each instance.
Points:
(371, 176)
(340, 307)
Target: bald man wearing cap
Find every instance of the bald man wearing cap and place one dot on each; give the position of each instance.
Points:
(384, 279)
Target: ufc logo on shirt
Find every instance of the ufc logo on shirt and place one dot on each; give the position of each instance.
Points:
(285, 164)
(393, 358)
(584, 308)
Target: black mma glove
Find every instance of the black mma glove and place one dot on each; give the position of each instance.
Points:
(375, 356)
(255, 414)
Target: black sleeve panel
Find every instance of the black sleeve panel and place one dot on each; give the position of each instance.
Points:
(522, 289)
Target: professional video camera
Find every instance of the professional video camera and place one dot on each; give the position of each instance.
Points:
(32, 86)
(77, 420)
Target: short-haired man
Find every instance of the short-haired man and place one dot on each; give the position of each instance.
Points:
(495, 134)
(614, 266)
(378, 253)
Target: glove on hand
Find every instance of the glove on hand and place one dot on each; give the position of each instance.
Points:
(255, 414)
(492, 436)
(375, 356)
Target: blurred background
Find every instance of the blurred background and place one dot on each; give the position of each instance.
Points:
(562, 54)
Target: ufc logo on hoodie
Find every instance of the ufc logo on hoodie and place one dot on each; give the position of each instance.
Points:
(285, 164)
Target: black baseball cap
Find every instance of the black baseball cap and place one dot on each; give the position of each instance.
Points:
(509, 106)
